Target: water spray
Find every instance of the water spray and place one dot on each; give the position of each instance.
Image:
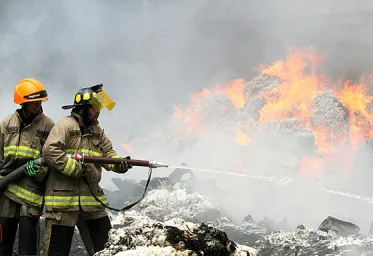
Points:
(278, 181)
(345, 194)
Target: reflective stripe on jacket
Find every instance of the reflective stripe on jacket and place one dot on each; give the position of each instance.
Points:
(19, 145)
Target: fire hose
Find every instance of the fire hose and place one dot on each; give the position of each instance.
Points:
(16, 174)
(82, 158)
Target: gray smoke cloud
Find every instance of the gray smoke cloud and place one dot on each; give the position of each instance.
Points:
(152, 54)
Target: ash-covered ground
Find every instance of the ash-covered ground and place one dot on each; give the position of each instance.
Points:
(176, 219)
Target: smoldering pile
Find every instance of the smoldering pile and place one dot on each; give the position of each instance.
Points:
(177, 197)
(283, 142)
(305, 241)
(134, 231)
(173, 219)
(163, 225)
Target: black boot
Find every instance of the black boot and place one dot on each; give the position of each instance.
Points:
(99, 232)
(60, 241)
(8, 231)
(28, 236)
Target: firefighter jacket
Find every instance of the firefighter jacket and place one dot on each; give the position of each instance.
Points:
(68, 186)
(20, 143)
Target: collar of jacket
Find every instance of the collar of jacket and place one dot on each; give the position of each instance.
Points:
(35, 120)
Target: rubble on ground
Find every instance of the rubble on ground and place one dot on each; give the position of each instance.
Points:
(136, 232)
(174, 220)
(176, 202)
(306, 241)
(247, 233)
(132, 189)
(133, 230)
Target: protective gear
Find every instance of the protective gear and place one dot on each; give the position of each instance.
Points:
(29, 90)
(9, 228)
(32, 169)
(123, 167)
(65, 188)
(93, 96)
(28, 236)
(86, 170)
(60, 240)
(93, 227)
(14, 214)
(17, 147)
(99, 232)
(22, 136)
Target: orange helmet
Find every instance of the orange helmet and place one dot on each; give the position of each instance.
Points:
(29, 90)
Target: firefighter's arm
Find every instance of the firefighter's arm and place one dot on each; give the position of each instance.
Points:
(108, 151)
(55, 156)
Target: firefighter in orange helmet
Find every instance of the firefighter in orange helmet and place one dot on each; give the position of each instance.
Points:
(22, 136)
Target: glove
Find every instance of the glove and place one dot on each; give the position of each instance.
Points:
(32, 169)
(124, 166)
(83, 170)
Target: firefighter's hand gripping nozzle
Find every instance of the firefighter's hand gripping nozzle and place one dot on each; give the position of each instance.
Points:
(82, 158)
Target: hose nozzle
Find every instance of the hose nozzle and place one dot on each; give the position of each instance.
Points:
(155, 164)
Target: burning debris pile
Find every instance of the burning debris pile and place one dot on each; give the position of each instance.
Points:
(293, 116)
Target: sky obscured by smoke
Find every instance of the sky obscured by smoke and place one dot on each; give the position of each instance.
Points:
(152, 54)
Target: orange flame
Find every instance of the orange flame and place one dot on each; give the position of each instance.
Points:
(297, 90)
(299, 83)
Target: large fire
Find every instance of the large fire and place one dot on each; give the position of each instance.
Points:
(301, 82)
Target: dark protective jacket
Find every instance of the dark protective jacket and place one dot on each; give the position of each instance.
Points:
(20, 143)
(66, 189)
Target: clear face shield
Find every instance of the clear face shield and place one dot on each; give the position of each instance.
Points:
(102, 100)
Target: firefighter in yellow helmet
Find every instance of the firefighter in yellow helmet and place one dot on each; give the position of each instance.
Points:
(22, 136)
(71, 187)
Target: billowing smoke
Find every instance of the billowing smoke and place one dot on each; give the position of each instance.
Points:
(152, 54)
